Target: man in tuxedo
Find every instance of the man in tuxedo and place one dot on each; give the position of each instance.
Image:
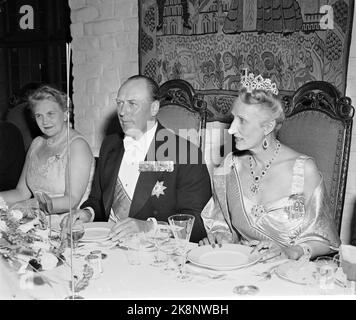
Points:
(12, 155)
(148, 175)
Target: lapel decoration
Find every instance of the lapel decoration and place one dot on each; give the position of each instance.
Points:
(158, 189)
(156, 166)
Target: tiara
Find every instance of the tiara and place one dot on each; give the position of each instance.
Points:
(250, 82)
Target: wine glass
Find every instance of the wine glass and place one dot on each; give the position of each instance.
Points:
(161, 236)
(182, 225)
(75, 234)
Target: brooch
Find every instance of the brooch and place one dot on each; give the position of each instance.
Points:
(158, 189)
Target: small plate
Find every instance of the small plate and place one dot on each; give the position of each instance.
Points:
(297, 273)
(96, 231)
(227, 257)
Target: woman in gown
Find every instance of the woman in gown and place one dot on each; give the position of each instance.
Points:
(45, 169)
(267, 193)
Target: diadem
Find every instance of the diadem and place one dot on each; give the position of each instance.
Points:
(250, 82)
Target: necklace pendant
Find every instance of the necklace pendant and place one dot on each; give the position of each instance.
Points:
(255, 187)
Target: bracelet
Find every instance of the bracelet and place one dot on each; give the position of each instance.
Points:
(155, 224)
(307, 250)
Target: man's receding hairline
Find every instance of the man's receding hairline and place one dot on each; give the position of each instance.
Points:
(128, 81)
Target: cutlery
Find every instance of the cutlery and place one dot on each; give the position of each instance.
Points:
(208, 275)
(260, 260)
(340, 283)
(267, 275)
(118, 246)
(270, 258)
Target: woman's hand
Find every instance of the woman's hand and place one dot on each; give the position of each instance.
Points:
(269, 249)
(294, 252)
(80, 214)
(45, 202)
(213, 239)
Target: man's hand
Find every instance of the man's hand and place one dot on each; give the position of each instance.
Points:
(128, 226)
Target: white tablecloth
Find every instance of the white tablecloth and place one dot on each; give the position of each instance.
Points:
(120, 280)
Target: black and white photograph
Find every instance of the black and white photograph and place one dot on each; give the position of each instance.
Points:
(177, 155)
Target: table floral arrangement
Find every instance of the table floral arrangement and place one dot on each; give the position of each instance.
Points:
(25, 238)
(27, 242)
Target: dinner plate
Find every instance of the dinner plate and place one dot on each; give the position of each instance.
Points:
(96, 231)
(298, 273)
(227, 257)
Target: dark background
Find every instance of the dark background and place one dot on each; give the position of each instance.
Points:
(32, 55)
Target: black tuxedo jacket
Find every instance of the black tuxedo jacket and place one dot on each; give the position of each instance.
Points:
(188, 186)
(12, 155)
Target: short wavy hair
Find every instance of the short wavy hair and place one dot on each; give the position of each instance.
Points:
(48, 92)
(266, 100)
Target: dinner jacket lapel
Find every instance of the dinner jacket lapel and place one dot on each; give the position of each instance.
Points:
(111, 171)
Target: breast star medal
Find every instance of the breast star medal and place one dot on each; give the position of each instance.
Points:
(158, 189)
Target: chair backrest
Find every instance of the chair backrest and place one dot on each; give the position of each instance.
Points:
(319, 124)
(183, 111)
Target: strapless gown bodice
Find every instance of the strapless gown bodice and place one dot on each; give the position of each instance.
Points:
(48, 175)
(281, 219)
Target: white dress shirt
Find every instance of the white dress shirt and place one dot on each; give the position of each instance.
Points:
(135, 152)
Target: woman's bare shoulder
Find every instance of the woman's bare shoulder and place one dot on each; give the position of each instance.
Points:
(78, 142)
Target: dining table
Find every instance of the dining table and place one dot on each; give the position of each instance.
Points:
(118, 279)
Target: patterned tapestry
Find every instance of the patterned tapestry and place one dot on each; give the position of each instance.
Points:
(209, 43)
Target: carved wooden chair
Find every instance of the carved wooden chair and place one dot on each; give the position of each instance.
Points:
(181, 108)
(319, 124)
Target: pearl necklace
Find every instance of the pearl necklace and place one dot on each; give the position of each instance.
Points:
(255, 186)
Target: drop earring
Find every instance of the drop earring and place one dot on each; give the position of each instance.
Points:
(265, 144)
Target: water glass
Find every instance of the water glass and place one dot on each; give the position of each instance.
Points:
(326, 269)
(133, 243)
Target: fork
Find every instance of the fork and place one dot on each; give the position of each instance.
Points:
(267, 275)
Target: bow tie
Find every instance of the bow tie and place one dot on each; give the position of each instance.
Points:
(131, 144)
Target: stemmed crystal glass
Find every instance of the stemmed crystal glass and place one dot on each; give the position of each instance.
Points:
(182, 225)
(161, 236)
(74, 234)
